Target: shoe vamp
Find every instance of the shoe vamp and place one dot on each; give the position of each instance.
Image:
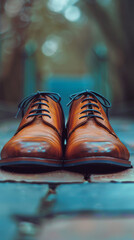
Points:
(92, 133)
(37, 132)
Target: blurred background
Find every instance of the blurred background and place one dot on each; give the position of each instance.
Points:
(66, 46)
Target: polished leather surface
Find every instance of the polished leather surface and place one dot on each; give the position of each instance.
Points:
(38, 136)
(91, 137)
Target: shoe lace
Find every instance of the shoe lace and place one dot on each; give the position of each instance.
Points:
(37, 102)
(90, 96)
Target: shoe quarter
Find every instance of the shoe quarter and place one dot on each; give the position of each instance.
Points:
(57, 117)
(25, 120)
(103, 122)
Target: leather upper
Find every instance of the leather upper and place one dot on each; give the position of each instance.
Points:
(89, 137)
(38, 136)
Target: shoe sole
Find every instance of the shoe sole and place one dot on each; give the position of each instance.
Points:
(96, 164)
(25, 164)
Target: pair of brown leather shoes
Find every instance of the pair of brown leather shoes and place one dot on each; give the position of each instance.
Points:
(40, 138)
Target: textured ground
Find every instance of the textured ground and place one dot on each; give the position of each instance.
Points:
(63, 205)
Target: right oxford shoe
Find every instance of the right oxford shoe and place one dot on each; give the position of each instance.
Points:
(39, 140)
(91, 141)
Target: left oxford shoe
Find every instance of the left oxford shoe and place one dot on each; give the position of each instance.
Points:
(39, 139)
(91, 141)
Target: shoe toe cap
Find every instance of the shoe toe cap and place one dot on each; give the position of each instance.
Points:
(90, 149)
(40, 148)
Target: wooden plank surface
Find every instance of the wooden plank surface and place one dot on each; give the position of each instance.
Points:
(95, 197)
(21, 199)
(87, 228)
(50, 177)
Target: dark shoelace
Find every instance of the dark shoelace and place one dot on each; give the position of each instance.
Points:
(90, 97)
(37, 98)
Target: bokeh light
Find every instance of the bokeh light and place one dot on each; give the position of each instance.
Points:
(57, 5)
(72, 13)
(13, 7)
(50, 46)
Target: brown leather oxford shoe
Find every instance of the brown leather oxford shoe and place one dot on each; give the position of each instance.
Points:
(91, 141)
(39, 138)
